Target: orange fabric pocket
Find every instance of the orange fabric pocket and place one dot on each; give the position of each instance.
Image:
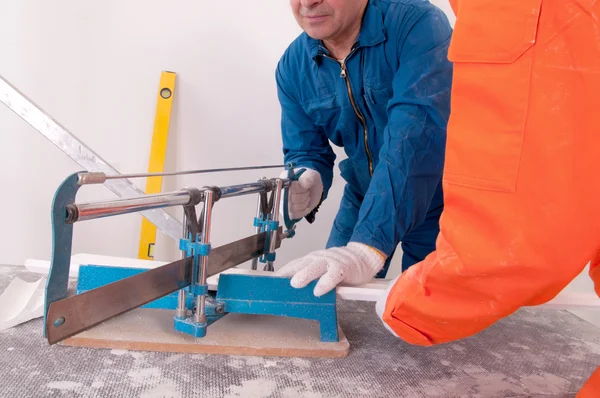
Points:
(492, 52)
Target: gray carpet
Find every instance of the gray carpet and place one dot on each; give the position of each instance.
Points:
(534, 353)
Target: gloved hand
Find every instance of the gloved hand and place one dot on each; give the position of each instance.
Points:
(353, 264)
(304, 194)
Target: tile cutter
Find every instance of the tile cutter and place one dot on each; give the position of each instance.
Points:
(106, 292)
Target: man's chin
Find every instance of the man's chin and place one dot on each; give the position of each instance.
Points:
(318, 33)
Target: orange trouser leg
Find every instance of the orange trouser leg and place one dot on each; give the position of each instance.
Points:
(595, 271)
(522, 176)
(591, 388)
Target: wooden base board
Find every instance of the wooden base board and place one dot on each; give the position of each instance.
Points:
(146, 329)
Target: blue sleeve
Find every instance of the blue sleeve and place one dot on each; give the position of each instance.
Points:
(303, 143)
(412, 157)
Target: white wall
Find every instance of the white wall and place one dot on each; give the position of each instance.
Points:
(95, 69)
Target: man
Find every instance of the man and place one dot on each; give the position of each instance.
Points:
(521, 185)
(521, 180)
(371, 76)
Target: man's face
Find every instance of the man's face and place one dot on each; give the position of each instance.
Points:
(327, 19)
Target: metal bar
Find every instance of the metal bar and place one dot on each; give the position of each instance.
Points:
(90, 211)
(275, 218)
(181, 308)
(200, 316)
(257, 229)
(99, 178)
(80, 153)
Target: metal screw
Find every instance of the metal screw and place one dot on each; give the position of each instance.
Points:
(59, 322)
(219, 309)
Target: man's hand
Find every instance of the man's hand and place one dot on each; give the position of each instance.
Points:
(353, 264)
(304, 194)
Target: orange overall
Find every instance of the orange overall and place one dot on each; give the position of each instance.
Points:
(522, 173)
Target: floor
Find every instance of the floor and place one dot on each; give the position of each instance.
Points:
(534, 353)
(583, 283)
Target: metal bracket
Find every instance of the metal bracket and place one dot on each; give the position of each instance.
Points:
(57, 283)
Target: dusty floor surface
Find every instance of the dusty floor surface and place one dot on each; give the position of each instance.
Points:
(534, 353)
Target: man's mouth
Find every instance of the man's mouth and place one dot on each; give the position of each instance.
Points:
(314, 18)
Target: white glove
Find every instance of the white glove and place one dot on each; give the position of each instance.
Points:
(353, 264)
(304, 195)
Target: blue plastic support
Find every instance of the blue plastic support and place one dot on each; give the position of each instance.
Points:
(187, 324)
(197, 329)
(195, 249)
(269, 295)
(270, 227)
(213, 311)
(259, 222)
(62, 237)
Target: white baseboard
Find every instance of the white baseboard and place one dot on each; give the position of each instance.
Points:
(367, 292)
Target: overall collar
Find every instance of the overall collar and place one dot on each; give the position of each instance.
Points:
(371, 33)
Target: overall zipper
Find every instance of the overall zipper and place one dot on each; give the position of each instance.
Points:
(344, 75)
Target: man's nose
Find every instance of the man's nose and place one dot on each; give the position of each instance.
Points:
(310, 3)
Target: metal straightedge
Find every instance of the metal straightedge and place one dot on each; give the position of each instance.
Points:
(82, 154)
(105, 292)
